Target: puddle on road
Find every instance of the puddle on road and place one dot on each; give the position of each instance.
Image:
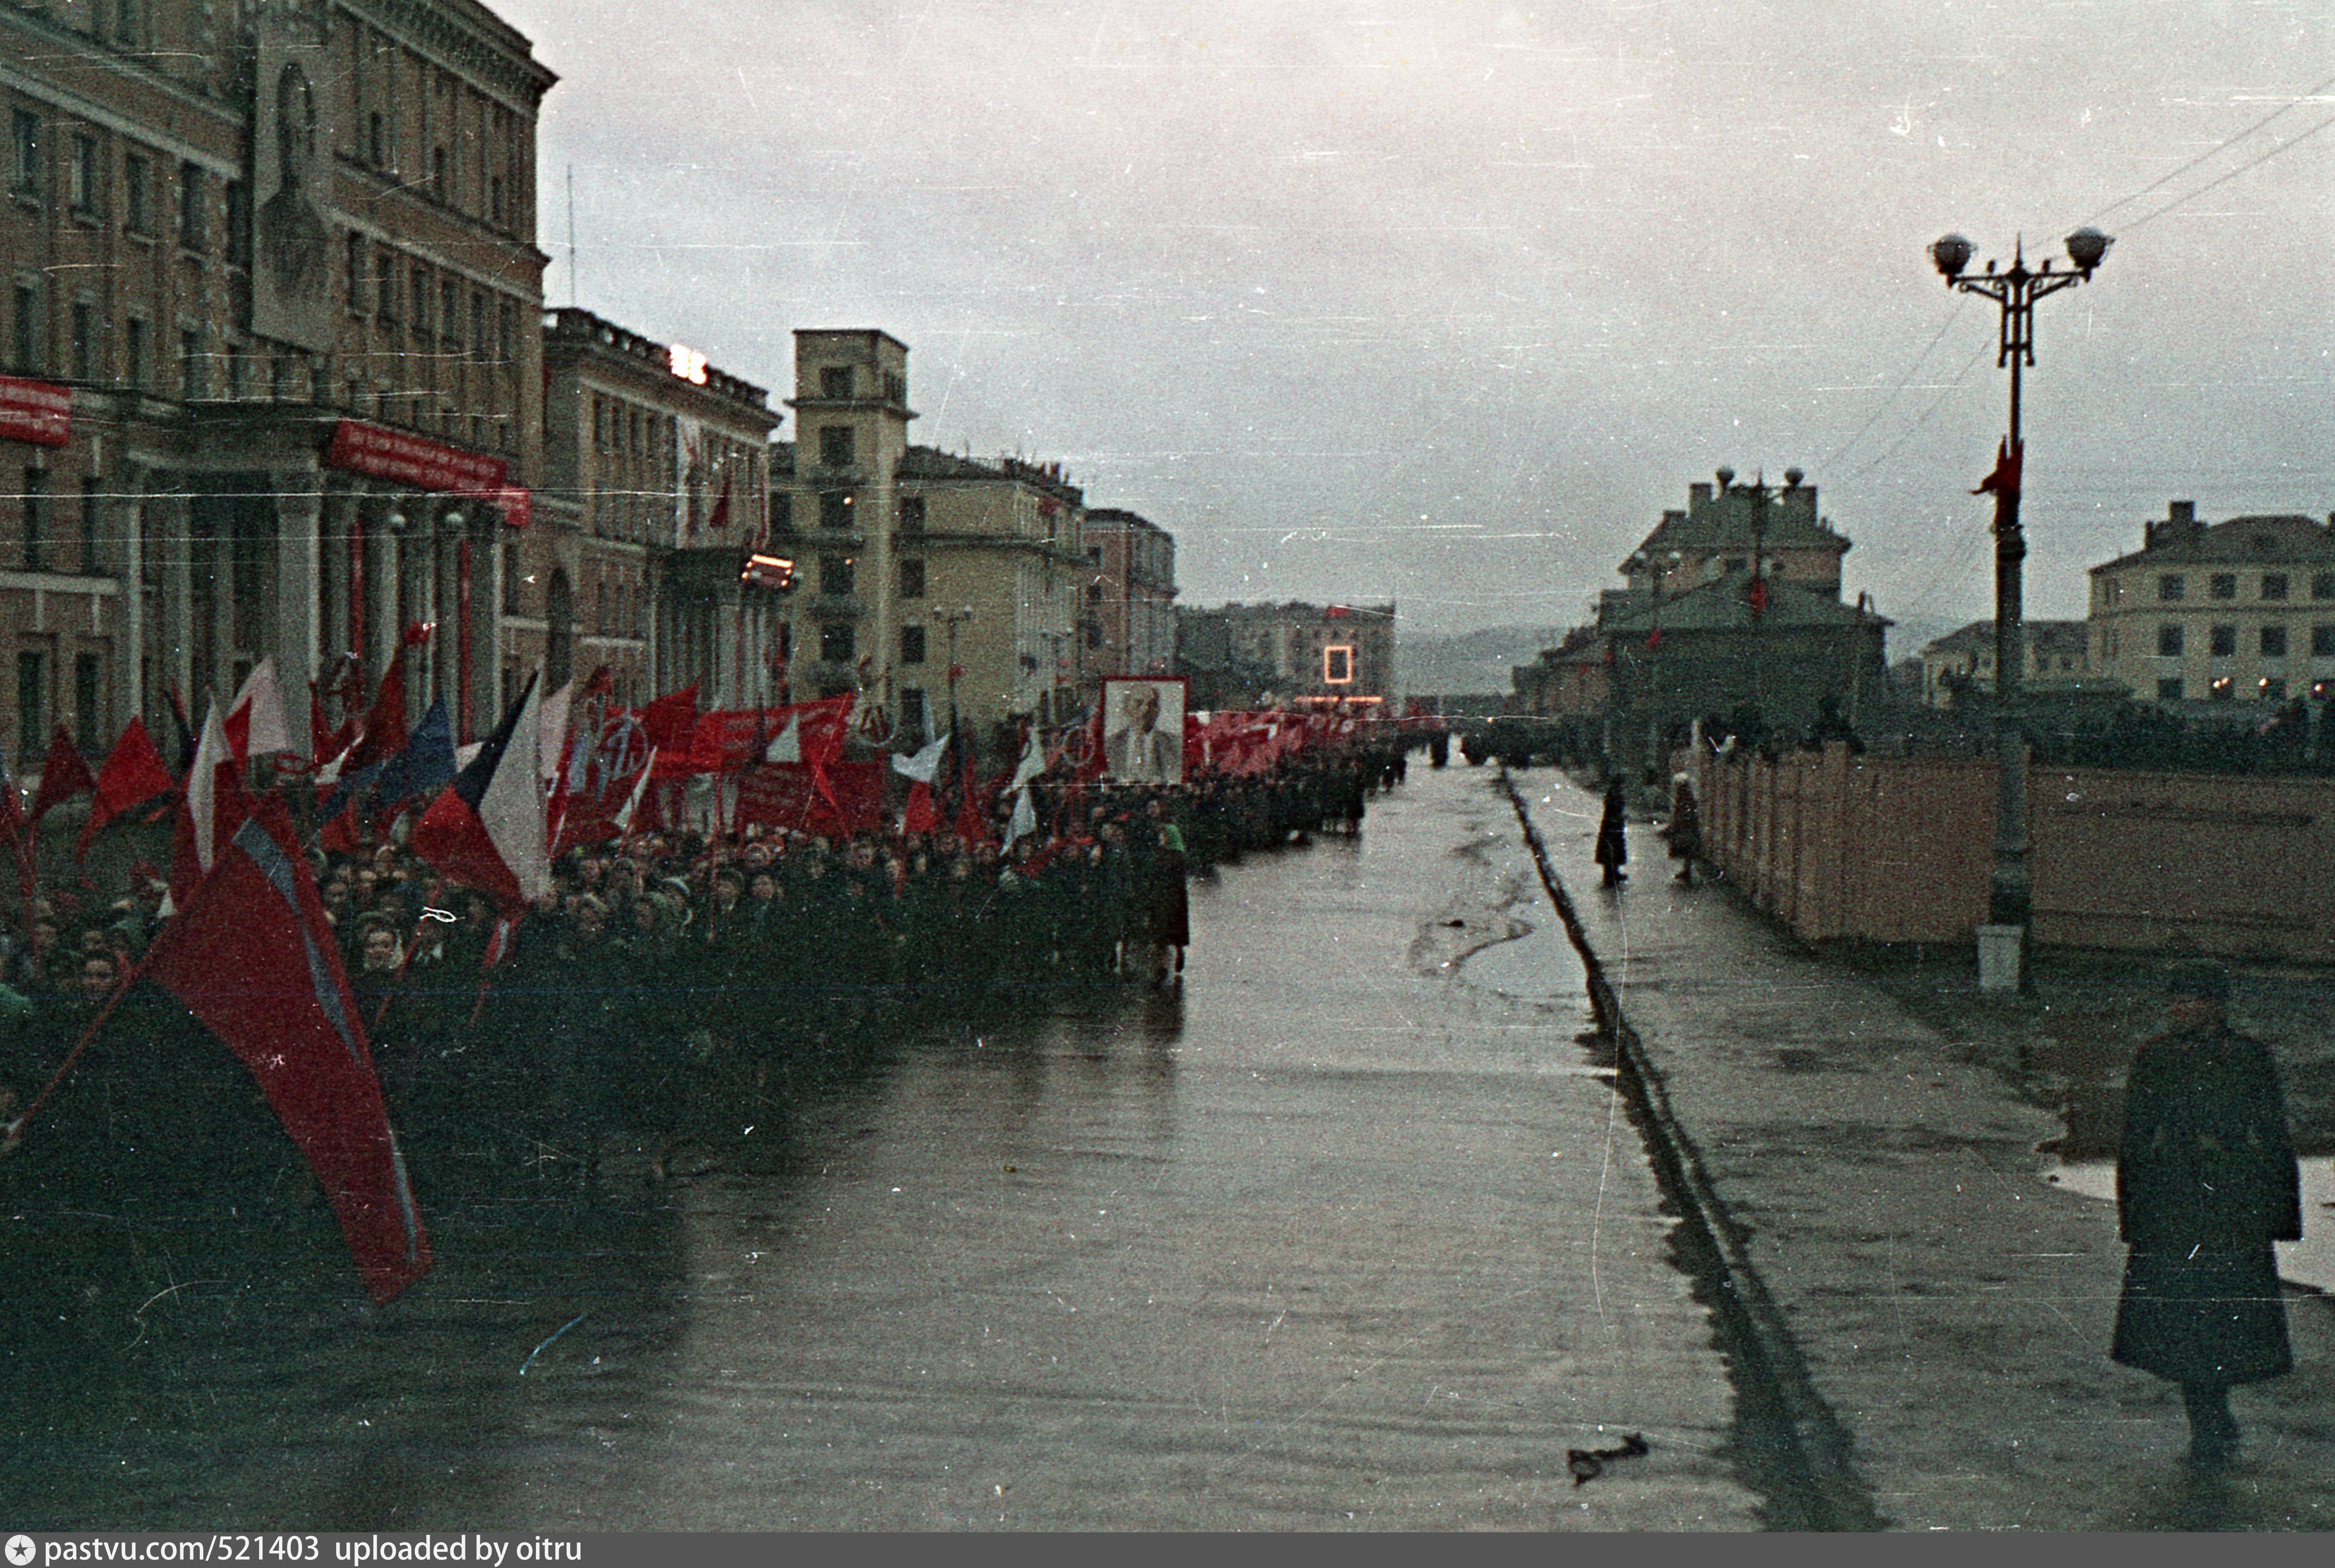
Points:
(2308, 1261)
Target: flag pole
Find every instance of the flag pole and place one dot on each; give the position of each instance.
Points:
(10, 1133)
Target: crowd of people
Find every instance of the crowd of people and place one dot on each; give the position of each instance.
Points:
(669, 980)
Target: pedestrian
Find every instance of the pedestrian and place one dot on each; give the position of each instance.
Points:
(2205, 1182)
(1684, 830)
(1612, 848)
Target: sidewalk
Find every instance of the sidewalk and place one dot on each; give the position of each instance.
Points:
(1952, 1305)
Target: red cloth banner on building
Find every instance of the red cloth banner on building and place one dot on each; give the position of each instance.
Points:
(35, 411)
(405, 458)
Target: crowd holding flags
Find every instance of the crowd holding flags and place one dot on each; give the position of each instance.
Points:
(249, 945)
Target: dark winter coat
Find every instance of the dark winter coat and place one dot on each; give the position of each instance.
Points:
(2205, 1182)
(1685, 830)
(1612, 848)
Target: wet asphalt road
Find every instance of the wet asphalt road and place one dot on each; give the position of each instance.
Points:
(1347, 1234)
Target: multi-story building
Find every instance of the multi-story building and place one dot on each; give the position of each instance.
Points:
(276, 379)
(2236, 612)
(655, 475)
(914, 563)
(1241, 655)
(2057, 658)
(1129, 624)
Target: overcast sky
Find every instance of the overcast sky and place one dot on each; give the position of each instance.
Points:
(1446, 301)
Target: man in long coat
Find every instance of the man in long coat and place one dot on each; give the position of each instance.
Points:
(1613, 847)
(2205, 1182)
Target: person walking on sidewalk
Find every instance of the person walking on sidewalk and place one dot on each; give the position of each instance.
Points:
(2205, 1182)
(1612, 849)
(1684, 830)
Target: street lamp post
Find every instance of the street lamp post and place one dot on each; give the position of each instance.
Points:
(1655, 567)
(2010, 900)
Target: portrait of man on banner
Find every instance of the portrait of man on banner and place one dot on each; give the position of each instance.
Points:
(1143, 730)
(292, 278)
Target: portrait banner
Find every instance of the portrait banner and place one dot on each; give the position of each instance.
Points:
(1143, 730)
(292, 138)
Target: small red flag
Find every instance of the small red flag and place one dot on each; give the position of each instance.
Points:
(63, 775)
(133, 773)
(2004, 480)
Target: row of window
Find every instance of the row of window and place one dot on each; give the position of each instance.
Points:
(2270, 689)
(33, 704)
(453, 117)
(839, 511)
(85, 171)
(838, 574)
(2272, 588)
(392, 289)
(2222, 641)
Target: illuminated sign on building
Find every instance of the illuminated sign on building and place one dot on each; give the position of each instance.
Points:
(687, 363)
(1338, 664)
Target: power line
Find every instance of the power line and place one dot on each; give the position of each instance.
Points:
(2213, 152)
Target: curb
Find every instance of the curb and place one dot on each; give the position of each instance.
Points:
(1791, 1448)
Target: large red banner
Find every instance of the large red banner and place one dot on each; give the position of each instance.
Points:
(787, 795)
(405, 458)
(35, 411)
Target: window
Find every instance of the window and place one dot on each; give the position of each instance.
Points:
(2273, 585)
(357, 271)
(911, 514)
(2270, 689)
(84, 341)
(2224, 640)
(92, 495)
(384, 288)
(912, 645)
(125, 24)
(2322, 641)
(835, 381)
(912, 579)
(377, 141)
(2168, 642)
(24, 338)
(420, 302)
(495, 199)
(438, 172)
(133, 352)
(477, 326)
(36, 519)
(782, 513)
(835, 445)
(835, 575)
(2171, 586)
(2223, 585)
(88, 716)
(2274, 641)
(80, 176)
(835, 643)
(449, 313)
(190, 365)
(239, 224)
(30, 690)
(2322, 585)
(2169, 689)
(510, 580)
(25, 177)
(835, 508)
(191, 228)
(504, 322)
(137, 179)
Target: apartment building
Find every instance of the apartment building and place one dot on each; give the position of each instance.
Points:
(2058, 656)
(2242, 611)
(1128, 624)
(274, 372)
(656, 483)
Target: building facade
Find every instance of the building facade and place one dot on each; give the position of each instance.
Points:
(1128, 626)
(656, 484)
(274, 372)
(2057, 658)
(914, 563)
(2242, 611)
(1247, 655)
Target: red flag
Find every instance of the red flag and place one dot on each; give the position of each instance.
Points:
(486, 830)
(63, 775)
(384, 726)
(602, 683)
(252, 957)
(1654, 639)
(1759, 595)
(671, 719)
(719, 516)
(919, 817)
(133, 773)
(2004, 480)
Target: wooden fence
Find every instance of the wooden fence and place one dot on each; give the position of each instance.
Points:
(1897, 849)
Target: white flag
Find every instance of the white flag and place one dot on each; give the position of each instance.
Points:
(1024, 820)
(786, 747)
(925, 765)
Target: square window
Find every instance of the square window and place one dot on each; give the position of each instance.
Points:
(835, 446)
(835, 575)
(2273, 585)
(835, 643)
(835, 508)
(2171, 586)
(2223, 585)
(835, 381)
(2322, 585)
(2225, 641)
(2274, 641)
(2322, 641)
(2168, 642)
(911, 514)
(2169, 689)
(912, 645)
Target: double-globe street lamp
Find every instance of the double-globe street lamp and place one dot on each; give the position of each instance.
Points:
(2010, 901)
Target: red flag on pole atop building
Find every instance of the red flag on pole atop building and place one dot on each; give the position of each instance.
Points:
(253, 958)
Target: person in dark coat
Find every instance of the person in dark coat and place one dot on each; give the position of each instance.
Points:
(2205, 1182)
(1612, 849)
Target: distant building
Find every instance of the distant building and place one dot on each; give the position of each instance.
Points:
(1126, 625)
(893, 544)
(1241, 655)
(655, 477)
(2059, 658)
(2242, 611)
